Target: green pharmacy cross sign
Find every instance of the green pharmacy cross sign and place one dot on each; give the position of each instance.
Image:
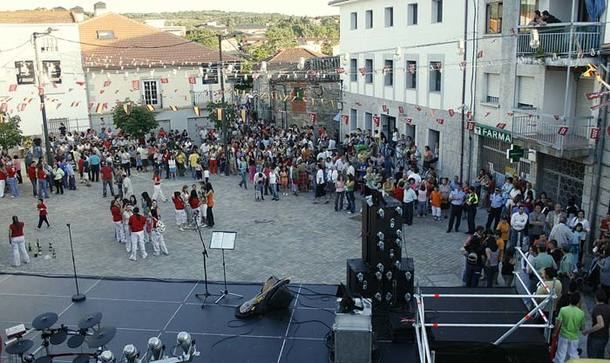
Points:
(515, 153)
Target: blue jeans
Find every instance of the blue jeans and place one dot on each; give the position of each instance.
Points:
(351, 200)
(274, 191)
(33, 186)
(43, 188)
(473, 274)
(12, 186)
(516, 239)
(422, 208)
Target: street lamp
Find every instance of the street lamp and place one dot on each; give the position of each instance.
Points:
(39, 85)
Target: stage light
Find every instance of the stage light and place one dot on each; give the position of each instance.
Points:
(397, 264)
(185, 342)
(130, 353)
(380, 235)
(399, 233)
(388, 296)
(155, 347)
(398, 241)
(378, 296)
(378, 275)
(365, 285)
(381, 213)
(380, 267)
(106, 357)
(360, 276)
(388, 275)
(380, 245)
(407, 297)
(391, 253)
(392, 223)
(408, 275)
(398, 210)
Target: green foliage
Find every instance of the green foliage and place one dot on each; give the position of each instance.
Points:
(230, 113)
(203, 36)
(10, 133)
(138, 122)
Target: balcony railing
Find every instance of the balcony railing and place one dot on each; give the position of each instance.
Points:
(562, 40)
(555, 132)
(200, 98)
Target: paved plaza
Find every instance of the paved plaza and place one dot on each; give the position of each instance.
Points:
(292, 237)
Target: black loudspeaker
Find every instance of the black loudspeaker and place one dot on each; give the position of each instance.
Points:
(403, 285)
(361, 281)
(274, 295)
(382, 232)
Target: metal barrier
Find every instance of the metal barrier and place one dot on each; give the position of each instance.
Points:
(560, 39)
(546, 129)
(548, 299)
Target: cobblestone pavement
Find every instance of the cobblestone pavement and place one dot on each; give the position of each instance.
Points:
(292, 237)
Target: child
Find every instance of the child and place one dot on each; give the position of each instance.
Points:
(284, 181)
(578, 235)
(206, 175)
(42, 213)
(180, 212)
(198, 173)
(436, 200)
(172, 167)
(138, 162)
(422, 201)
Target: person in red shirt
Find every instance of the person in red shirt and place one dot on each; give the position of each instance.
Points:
(42, 213)
(2, 181)
(107, 174)
(11, 179)
(43, 185)
(195, 204)
(117, 220)
(17, 241)
(31, 170)
(157, 191)
(180, 212)
(137, 222)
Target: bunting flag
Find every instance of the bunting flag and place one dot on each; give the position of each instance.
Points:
(197, 110)
(401, 110)
(376, 120)
(440, 121)
(164, 80)
(563, 131)
(487, 113)
(173, 108)
(135, 85)
(451, 112)
(107, 83)
(80, 83)
(150, 108)
(192, 80)
(501, 125)
(3, 107)
(12, 88)
(90, 106)
(385, 108)
(127, 108)
(362, 71)
(595, 131)
(313, 117)
(470, 125)
(98, 108)
(345, 119)
(556, 117)
(219, 114)
(57, 107)
(418, 108)
(409, 121)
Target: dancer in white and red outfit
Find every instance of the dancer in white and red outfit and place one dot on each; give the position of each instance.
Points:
(42, 213)
(127, 213)
(158, 242)
(17, 241)
(136, 224)
(117, 220)
(180, 212)
(157, 191)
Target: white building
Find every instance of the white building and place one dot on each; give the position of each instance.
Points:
(62, 75)
(531, 87)
(403, 67)
(125, 60)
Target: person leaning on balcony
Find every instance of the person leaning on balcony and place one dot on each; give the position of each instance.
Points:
(549, 18)
(537, 21)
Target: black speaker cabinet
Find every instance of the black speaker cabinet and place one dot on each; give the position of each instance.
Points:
(405, 280)
(381, 230)
(361, 280)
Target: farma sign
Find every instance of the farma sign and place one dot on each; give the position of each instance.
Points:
(492, 133)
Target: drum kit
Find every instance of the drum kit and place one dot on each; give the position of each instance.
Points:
(89, 331)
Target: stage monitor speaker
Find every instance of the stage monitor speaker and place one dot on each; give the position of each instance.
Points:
(353, 337)
(361, 281)
(274, 295)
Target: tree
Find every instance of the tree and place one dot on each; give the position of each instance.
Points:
(137, 121)
(10, 133)
(230, 115)
(205, 37)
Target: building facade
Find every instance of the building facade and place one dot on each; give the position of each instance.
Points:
(405, 68)
(56, 66)
(533, 89)
(127, 61)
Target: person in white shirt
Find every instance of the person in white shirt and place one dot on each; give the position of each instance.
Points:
(273, 179)
(320, 182)
(350, 170)
(518, 222)
(408, 199)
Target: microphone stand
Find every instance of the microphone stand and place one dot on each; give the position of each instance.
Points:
(203, 297)
(78, 297)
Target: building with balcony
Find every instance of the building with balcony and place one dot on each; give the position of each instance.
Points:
(532, 87)
(59, 69)
(405, 68)
(125, 60)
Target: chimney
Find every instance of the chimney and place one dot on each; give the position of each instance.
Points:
(99, 8)
(78, 14)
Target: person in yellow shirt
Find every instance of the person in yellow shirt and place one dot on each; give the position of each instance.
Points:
(503, 227)
(193, 162)
(180, 162)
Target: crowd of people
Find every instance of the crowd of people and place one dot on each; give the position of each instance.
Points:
(278, 162)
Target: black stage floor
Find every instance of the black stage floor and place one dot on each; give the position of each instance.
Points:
(141, 309)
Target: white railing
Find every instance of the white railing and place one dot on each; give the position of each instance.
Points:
(577, 39)
(555, 131)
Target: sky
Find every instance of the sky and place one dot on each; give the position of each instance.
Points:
(292, 7)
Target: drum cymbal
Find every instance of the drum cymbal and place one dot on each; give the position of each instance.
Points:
(45, 359)
(90, 321)
(19, 347)
(44, 321)
(76, 341)
(59, 337)
(101, 337)
(81, 358)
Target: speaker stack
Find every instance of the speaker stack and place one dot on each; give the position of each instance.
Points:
(384, 273)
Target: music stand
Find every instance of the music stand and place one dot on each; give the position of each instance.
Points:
(224, 240)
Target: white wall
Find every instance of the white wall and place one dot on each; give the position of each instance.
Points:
(59, 98)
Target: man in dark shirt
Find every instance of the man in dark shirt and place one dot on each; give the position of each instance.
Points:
(598, 334)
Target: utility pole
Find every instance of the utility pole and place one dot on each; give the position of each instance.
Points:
(464, 70)
(223, 120)
(39, 85)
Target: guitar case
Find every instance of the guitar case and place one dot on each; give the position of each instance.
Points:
(274, 295)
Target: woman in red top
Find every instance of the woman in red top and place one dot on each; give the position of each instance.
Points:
(195, 204)
(32, 176)
(180, 212)
(42, 213)
(117, 220)
(17, 241)
(137, 223)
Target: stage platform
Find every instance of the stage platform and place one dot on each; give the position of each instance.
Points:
(141, 309)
